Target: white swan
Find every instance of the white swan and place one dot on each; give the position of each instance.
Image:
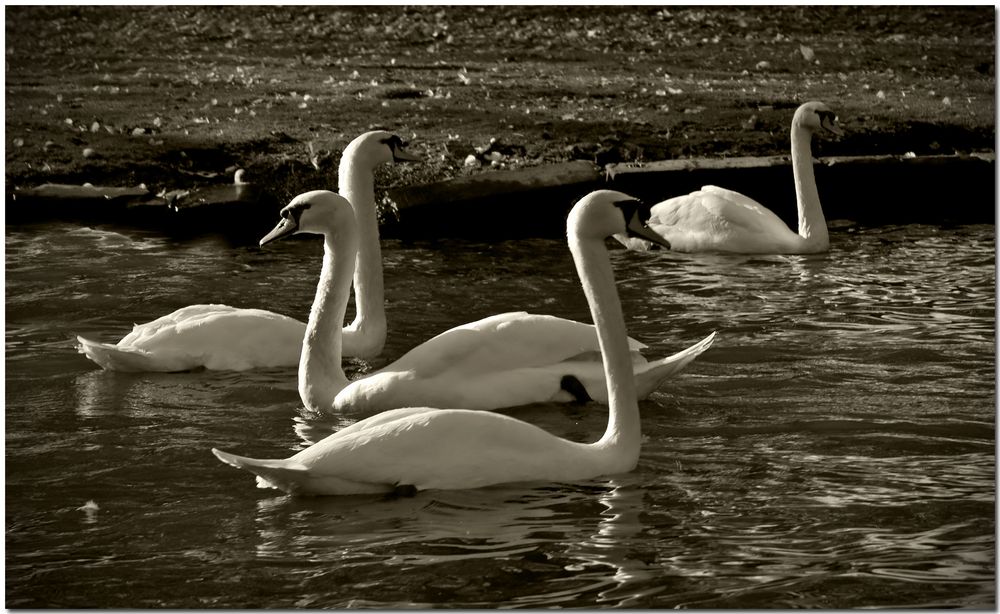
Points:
(501, 361)
(419, 448)
(715, 219)
(229, 338)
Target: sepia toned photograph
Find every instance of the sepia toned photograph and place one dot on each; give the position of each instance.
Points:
(495, 306)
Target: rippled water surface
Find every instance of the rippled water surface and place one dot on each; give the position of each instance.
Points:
(834, 449)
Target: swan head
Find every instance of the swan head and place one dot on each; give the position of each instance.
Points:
(604, 213)
(378, 147)
(817, 117)
(316, 212)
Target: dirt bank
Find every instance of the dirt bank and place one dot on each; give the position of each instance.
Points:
(177, 96)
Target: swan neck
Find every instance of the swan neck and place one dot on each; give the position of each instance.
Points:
(593, 265)
(357, 184)
(812, 223)
(321, 376)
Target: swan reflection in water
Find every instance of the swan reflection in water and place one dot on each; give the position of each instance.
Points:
(576, 541)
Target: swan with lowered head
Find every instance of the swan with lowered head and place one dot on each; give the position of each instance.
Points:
(715, 219)
(230, 338)
(500, 361)
(419, 448)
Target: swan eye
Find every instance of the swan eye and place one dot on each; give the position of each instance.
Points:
(394, 142)
(294, 211)
(633, 206)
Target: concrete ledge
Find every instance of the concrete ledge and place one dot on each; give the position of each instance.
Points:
(534, 202)
(238, 212)
(865, 189)
(507, 204)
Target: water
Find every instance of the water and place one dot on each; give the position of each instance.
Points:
(834, 449)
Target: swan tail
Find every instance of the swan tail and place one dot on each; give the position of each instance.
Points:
(114, 358)
(271, 473)
(652, 375)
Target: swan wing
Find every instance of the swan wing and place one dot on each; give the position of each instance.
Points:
(649, 375)
(166, 324)
(716, 209)
(211, 336)
(424, 448)
(509, 387)
(500, 343)
(717, 219)
(132, 360)
(485, 391)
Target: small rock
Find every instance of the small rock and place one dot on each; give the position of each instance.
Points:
(472, 161)
(763, 65)
(946, 101)
(89, 152)
(807, 53)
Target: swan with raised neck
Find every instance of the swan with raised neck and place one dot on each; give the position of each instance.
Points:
(504, 360)
(715, 219)
(222, 337)
(420, 448)
(365, 336)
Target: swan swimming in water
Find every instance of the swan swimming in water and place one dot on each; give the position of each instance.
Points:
(715, 219)
(229, 338)
(420, 448)
(500, 361)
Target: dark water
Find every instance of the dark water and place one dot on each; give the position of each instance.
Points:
(834, 449)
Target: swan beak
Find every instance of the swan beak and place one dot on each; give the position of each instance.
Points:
(831, 126)
(284, 228)
(636, 226)
(401, 155)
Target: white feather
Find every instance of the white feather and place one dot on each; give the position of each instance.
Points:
(236, 339)
(430, 448)
(504, 360)
(715, 219)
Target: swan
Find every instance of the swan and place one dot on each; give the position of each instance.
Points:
(715, 219)
(418, 448)
(504, 360)
(228, 338)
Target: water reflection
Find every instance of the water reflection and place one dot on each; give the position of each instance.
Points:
(539, 528)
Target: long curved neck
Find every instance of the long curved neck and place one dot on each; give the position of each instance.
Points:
(624, 431)
(812, 223)
(357, 184)
(320, 375)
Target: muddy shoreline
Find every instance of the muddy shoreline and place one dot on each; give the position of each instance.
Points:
(177, 98)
